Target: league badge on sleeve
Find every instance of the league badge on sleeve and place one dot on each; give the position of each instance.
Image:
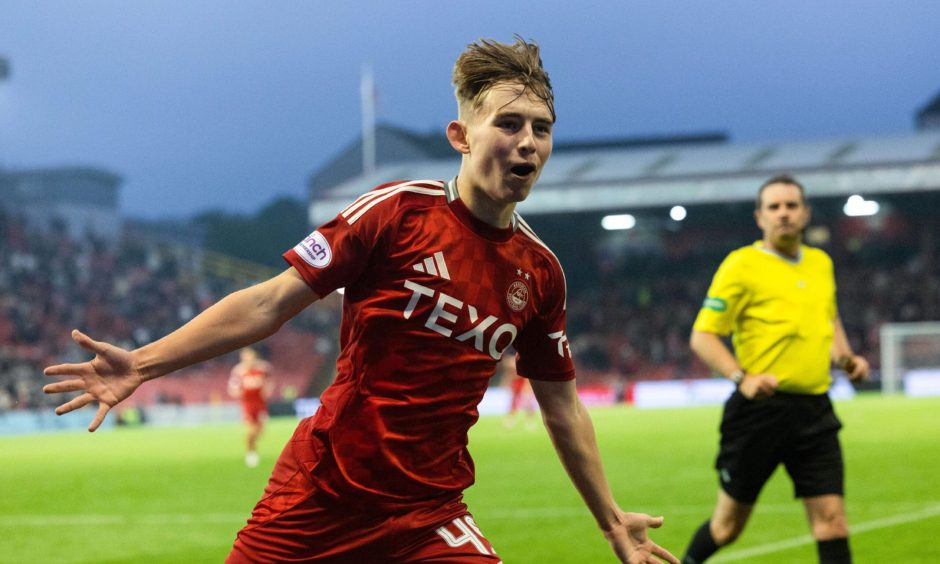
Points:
(315, 250)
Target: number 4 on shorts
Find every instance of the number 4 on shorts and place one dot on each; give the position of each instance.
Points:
(469, 533)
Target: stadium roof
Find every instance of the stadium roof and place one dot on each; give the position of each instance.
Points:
(394, 144)
(932, 107)
(66, 185)
(604, 176)
(929, 116)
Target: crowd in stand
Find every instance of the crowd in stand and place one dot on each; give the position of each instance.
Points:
(635, 322)
(631, 322)
(128, 292)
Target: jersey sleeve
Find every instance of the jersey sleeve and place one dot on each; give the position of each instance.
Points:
(336, 254)
(726, 295)
(542, 345)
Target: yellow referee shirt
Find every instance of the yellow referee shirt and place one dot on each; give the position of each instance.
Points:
(780, 312)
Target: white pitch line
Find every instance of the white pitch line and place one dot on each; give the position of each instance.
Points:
(670, 511)
(35, 520)
(807, 539)
(577, 510)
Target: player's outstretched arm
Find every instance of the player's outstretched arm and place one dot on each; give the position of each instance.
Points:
(572, 434)
(239, 319)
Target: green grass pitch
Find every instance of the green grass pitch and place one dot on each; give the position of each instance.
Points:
(180, 494)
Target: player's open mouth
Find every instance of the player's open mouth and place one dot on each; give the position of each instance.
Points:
(523, 170)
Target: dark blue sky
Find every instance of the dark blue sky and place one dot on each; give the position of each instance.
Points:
(203, 104)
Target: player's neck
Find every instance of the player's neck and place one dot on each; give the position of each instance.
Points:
(482, 207)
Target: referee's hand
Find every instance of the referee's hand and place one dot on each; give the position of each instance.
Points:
(758, 386)
(856, 366)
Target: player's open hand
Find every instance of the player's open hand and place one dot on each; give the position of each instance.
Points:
(758, 386)
(108, 378)
(631, 543)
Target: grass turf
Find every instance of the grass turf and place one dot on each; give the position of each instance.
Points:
(180, 494)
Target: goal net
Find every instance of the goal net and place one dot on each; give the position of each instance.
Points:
(910, 358)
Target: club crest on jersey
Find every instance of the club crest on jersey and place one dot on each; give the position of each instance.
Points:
(315, 250)
(517, 296)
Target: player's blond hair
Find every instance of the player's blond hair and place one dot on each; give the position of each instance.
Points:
(486, 63)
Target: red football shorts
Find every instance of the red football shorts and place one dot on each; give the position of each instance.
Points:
(295, 521)
(254, 412)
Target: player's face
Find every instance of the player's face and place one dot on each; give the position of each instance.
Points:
(782, 215)
(509, 139)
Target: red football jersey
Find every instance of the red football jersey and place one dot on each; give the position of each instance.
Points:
(249, 378)
(433, 296)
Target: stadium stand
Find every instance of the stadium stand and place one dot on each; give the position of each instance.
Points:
(632, 294)
(633, 320)
(77, 199)
(130, 291)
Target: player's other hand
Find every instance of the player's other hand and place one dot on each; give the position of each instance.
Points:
(856, 367)
(758, 386)
(630, 541)
(109, 378)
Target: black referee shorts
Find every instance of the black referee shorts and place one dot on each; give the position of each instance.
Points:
(800, 431)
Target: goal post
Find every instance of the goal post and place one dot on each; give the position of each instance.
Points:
(910, 358)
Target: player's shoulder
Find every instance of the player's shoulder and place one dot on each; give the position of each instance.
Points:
(393, 197)
(528, 238)
(540, 256)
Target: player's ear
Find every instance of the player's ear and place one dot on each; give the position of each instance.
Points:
(457, 135)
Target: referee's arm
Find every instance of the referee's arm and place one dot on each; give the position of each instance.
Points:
(713, 352)
(856, 366)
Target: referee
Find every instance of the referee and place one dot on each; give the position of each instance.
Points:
(777, 298)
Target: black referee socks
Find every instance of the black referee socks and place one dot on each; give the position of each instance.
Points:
(702, 545)
(835, 551)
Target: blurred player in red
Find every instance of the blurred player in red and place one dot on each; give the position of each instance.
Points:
(251, 383)
(521, 400)
(440, 279)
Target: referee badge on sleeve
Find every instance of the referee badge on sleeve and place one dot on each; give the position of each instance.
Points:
(715, 304)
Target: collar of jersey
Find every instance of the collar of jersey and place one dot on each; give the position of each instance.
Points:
(792, 260)
(472, 222)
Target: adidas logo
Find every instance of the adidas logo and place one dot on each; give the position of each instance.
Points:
(434, 265)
